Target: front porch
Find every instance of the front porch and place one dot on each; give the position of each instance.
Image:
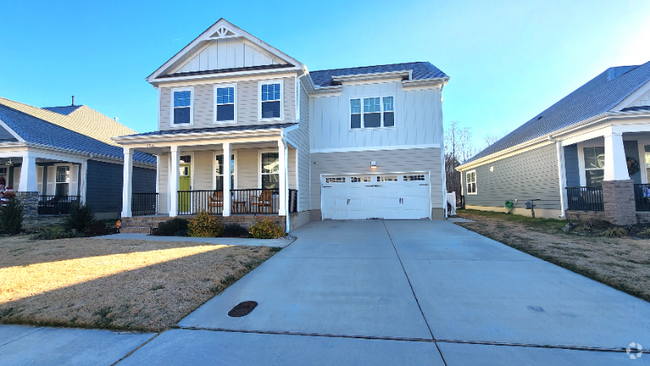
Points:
(192, 178)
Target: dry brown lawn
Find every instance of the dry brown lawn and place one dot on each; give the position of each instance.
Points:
(118, 284)
(622, 263)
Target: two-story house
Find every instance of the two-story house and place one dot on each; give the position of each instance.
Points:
(356, 143)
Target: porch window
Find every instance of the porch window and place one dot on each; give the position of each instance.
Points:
(3, 174)
(182, 106)
(225, 103)
(271, 100)
(62, 180)
(647, 160)
(219, 172)
(594, 165)
(270, 170)
(471, 182)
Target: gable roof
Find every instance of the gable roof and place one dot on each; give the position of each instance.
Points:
(81, 119)
(222, 29)
(600, 95)
(421, 71)
(38, 131)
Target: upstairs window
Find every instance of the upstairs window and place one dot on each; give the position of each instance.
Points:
(182, 106)
(377, 112)
(271, 100)
(225, 108)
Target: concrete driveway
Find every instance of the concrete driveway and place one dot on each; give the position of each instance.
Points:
(408, 293)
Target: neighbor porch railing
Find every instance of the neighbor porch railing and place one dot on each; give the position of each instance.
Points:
(55, 205)
(243, 201)
(585, 198)
(293, 200)
(144, 204)
(642, 197)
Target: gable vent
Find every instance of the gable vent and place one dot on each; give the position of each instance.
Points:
(223, 32)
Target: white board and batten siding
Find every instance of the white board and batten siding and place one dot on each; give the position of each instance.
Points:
(418, 118)
(247, 103)
(228, 54)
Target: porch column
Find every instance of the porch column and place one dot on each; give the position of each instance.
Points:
(561, 173)
(28, 174)
(282, 175)
(226, 179)
(127, 182)
(618, 188)
(174, 173)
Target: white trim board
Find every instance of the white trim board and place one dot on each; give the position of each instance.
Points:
(375, 148)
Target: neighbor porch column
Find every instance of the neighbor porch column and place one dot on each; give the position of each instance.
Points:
(28, 174)
(618, 188)
(127, 182)
(174, 173)
(226, 179)
(561, 173)
(282, 175)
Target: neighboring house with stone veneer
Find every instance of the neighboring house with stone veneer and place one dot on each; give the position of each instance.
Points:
(354, 143)
(588, 154)
(65, 154)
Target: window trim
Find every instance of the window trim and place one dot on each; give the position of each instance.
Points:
(214, 104)
(585, 169)
(467, 173)
(381, 112)
(56, 167)
(214, 168)
(171, 107)
(259, 165)
(259, 99)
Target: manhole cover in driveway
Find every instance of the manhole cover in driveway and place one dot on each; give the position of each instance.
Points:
(242, 309)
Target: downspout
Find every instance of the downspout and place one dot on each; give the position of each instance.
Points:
(286, 180)
(561, 174)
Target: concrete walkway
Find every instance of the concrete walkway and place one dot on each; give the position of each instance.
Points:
(281, 243)
(400, 292)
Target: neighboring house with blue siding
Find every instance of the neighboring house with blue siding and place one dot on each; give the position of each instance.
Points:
(297, 145)
(589, 152)
(66, 154)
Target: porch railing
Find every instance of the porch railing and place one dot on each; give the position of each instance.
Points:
(585, 198)
(55, 205)
(144, 204)
(642, 197)
(293, 200)
(243, 201)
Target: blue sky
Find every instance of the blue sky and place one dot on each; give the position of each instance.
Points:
(508, 60)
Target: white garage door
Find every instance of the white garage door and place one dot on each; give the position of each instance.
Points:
(386, 196)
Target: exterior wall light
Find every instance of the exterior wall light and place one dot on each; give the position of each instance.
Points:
(373, 165)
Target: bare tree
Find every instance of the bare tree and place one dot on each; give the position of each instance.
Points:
(458, 149)
(491, 138)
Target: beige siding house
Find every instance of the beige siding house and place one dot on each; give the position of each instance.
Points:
(353, 143)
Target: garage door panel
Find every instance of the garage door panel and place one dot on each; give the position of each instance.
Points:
(396, 196)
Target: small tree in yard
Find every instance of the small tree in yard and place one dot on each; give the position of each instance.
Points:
(11, 216)
(204, 226)
(80, 217)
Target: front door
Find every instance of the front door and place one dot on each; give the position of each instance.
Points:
(185, 183)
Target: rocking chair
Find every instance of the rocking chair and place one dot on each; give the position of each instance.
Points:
(265, 199)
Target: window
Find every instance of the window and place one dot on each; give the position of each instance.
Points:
(377, 112)
(335, 180)
(407, 178)
(270, 170)
(219, 172)
(594, 166)
(62, 180)
(471, 182)
(225, 108)
(271, 100)
(647, 160)
(360, 179)
(387, 178)
(182, 106)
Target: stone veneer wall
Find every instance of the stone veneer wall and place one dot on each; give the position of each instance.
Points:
(618, 201)
(30, 205)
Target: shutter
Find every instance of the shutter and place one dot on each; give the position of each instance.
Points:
(74, 180)
(51, 176)
(16, 182)
(39, 179)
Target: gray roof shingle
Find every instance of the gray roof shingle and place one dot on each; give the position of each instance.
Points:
(37, 131)
(421, 71)
(65, 110)
(596, 97)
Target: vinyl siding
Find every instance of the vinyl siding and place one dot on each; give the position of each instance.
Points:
(228, 54)
(300, 137)
(247, 103)
(418, 118)
(531, 174)
(388, 161)
(104, 185)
